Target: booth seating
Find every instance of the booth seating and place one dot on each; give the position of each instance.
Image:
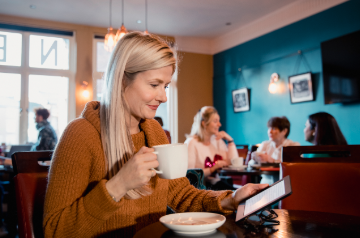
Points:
(323, 184)
(30, 187)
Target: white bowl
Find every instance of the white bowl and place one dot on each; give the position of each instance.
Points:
(193, 222)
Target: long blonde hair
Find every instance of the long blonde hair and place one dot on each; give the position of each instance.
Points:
(203, 115)
(134, 53)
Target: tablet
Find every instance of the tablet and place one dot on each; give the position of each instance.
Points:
(268, 196)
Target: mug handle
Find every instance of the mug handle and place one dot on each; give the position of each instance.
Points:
(157, 171)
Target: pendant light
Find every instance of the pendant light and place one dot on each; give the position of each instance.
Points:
(122, 30)
(146, 29)
(110, 39)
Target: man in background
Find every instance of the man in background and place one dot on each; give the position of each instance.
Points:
(47, 138)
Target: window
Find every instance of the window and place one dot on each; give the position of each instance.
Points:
(165, 111)
(36, 70)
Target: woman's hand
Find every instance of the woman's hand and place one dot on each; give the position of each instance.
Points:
(265, 158)
(223, 135)
(232, 201)
(135, 173)
(218, 165)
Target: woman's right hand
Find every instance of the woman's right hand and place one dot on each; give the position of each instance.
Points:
(135, 173)
(219, 164)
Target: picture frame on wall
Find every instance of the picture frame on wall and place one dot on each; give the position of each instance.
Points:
(241, 100)
(301, 88)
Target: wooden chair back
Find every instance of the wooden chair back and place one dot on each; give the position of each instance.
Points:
(242, 150)
(332, 153)
(324, 184)
(30, 187)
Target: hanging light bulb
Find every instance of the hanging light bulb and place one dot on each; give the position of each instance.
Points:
(110, 38)
(122, 30)
(110, 41)
(146, 31)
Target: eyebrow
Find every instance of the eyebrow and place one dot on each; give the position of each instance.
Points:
(160, 80)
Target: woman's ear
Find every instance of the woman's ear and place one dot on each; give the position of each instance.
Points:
(203, 124)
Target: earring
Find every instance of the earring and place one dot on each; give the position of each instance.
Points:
(313, 133)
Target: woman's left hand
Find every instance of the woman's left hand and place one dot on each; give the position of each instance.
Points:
(265, 158)
(232, 202)
(223, 135)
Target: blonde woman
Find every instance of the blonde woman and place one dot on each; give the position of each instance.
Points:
(100, 180)
(207, 149)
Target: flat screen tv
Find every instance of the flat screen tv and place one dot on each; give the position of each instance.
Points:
(341, 69)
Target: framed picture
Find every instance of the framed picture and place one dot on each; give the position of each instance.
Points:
(301, 88)
(241, 100)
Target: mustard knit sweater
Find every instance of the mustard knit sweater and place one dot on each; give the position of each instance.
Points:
(77, 203)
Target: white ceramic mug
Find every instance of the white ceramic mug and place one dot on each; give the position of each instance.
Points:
(173, 160)
(239, 161)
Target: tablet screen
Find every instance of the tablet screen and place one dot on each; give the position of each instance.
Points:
(264, 198)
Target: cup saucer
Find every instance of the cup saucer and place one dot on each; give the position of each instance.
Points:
(238, 166)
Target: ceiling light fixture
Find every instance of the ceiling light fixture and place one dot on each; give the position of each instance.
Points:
(122, 30)
(146, 29)
(110, 38)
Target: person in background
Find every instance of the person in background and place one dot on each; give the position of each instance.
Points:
(159, 119)
(101, 182)
(207, 149)
(270, 151)
(47, 138)
(322, 129)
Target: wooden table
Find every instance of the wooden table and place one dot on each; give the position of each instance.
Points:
(292, 224)
(254, 173)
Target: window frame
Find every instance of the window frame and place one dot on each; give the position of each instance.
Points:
(25, 70)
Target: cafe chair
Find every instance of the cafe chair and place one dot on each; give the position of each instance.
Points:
(30, 186)
(244, 179)
(323, 184)
(242, 150)
(168, 135)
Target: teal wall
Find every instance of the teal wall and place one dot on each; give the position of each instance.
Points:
(263, 56)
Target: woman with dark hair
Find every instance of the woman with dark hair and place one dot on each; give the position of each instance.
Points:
(322, 129)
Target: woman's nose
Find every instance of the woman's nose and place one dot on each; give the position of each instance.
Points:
(162, 96)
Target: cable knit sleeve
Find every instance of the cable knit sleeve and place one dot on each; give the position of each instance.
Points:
(183, 197)
(74, 205)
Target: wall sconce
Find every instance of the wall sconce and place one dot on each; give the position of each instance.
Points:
(272, 86)
(85, 92)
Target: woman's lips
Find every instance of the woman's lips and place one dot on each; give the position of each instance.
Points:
(153, 107)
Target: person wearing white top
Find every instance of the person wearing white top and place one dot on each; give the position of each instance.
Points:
(270, 151)
(278, 131)
(206, 146)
